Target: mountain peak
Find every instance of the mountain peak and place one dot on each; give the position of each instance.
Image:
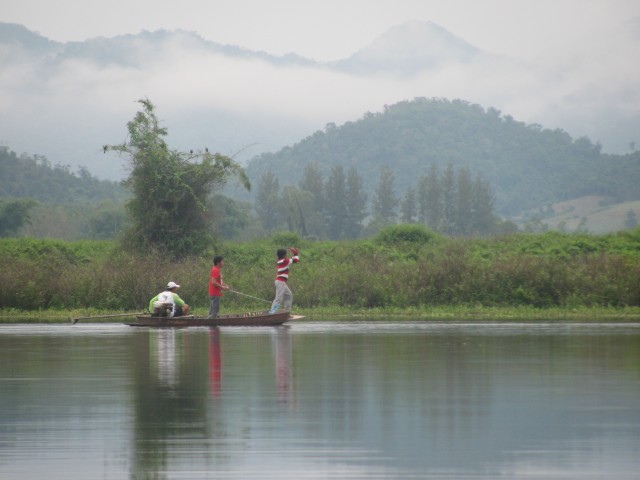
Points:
(409, 48)
(18, 35)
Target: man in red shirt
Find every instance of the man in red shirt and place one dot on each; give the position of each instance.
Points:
(216, 286)
(283, 294)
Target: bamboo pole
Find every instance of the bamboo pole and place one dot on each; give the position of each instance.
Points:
(76, 319)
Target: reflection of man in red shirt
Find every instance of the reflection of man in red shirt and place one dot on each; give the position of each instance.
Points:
(216, 286)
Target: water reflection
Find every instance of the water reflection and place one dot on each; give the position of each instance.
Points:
(350, 400)
(283, 353)
(175, 414)
(215, 361)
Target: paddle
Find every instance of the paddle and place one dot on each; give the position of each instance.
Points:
(250, 296)
(75, 320)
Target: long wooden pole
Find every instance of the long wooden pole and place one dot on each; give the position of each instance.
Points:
(250, 296)
(75, 320)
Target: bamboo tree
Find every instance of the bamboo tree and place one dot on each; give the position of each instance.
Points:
(170, 207)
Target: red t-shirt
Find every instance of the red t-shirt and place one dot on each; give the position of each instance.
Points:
(215, 274)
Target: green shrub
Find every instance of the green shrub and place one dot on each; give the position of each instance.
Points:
(405, 233)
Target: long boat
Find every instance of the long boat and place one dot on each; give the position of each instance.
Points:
(248, 319)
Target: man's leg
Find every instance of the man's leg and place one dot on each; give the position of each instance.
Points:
(215, 307)
(287, 298)
(280, 286)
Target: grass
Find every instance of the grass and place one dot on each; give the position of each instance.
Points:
(339, 314)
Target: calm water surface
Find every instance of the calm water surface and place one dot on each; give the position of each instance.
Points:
(358, 400)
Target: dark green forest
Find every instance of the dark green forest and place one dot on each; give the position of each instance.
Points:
(526, 165)
(35, 177)
(45, 200)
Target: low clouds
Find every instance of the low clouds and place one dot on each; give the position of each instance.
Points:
(67, 108)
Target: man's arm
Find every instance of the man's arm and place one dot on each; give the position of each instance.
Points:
(178, 300)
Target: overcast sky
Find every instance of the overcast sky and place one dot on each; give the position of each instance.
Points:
(325, 29)
(571, 64)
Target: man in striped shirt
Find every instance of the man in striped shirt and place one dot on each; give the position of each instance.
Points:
(283, 294)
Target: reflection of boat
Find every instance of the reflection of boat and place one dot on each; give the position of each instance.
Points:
(248, 319)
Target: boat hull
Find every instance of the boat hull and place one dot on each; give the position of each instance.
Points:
(249, 319)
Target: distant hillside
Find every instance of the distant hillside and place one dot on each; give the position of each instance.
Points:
(593, 214)
(36, 178)
(527, 165)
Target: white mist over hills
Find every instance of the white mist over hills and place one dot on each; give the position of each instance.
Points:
(65, 100)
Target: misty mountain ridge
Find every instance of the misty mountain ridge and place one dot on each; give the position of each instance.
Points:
(404, 49)
(66, 100)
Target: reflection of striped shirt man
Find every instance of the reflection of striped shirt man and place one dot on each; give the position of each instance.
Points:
(283, 267)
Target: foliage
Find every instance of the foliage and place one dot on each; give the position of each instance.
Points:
(406, 266)
(385, 201)
(170, 208)
(51, 201)
(35, 178)
(525, 165)
(411, 233)
(14, 215)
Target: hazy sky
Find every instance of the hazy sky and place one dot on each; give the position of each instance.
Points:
(326, 29)
(572, 64)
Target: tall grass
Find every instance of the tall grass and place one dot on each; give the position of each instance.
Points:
(395, 270)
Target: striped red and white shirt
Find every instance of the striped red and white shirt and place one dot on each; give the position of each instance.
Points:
(283, 267)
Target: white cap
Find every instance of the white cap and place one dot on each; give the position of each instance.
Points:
(171, 285)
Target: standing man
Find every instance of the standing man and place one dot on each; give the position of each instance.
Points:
(283, 294)
(216, 286)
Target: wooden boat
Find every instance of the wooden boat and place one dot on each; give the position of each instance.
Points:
(248, 319)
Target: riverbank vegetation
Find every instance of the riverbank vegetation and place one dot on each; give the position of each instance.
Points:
(404, 268)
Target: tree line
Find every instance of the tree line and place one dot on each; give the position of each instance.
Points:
(452, 202)
(43, 200)
(527, 165)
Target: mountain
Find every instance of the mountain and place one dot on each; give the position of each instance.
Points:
(65, 100)
(527, 165)
(38, 179)
(409, 49)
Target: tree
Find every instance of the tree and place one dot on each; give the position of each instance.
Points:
(232, 216)
(106, 221)
(314, 215)
(267, 201)
(356, 206)
(14, 215)
(430, 199)
(312, 182)
(464, 204)
(335, 203)
(385, 201)
(170, 208)
(483, 218)
(449, 196)
(409, 206)
(294, 205)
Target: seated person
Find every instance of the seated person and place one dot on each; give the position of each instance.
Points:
(169, 303)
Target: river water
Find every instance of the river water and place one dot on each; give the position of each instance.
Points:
(317, 400)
